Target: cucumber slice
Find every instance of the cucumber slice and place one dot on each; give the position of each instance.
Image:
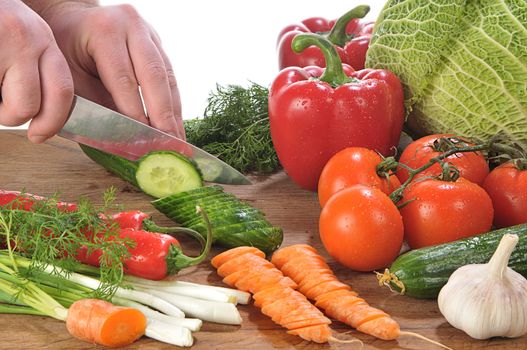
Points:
(163, 173)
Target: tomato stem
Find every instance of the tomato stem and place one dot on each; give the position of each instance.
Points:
(397, 195)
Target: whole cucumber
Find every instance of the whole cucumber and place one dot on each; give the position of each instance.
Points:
(423, 272)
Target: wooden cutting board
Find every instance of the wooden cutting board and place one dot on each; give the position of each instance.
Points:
(59, 166)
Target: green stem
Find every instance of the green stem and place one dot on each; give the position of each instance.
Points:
(151, 226)
(20, 310)
(176, 260)
(338, 35)
(334, 73)
(396, 195)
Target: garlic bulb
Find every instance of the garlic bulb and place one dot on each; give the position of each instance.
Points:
(487, 300)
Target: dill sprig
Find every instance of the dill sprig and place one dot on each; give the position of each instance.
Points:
(235, 128)
(50, 235)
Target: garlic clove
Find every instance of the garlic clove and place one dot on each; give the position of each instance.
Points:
(487, 300)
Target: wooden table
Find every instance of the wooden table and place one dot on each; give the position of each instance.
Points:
(60, 166)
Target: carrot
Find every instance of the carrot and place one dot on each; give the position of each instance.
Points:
(273, 293)
(101, 322)
(337, 299)
(219, 259)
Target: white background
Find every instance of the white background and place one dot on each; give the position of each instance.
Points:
(228, 41)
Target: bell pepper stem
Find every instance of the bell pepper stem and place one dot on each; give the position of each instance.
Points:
(176, 260)
(338, 35)
(334, 73)
(151, 226)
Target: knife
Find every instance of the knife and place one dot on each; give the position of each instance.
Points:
(104, 129)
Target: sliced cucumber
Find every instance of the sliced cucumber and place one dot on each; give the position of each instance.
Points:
(119, 166)
(176, 200)
(234, 222)
(163, 173)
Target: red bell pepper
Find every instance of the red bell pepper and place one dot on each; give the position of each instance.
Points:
(154, 255)
(316, 112)
(350, 35)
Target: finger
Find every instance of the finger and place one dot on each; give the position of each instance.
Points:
(174, 90)
(92, 88)
(152, 76)
(20, 93)
(57, 95)
(117, 74)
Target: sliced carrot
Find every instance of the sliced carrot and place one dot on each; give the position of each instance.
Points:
(101, 322)
(301, 275)
(240, 262)
(306, 322)
(281, 256)
(228, 255)
(384, 327)
(299, 264)
(259, 279)
(232, 278)
(308, 283)
(319, 334)
(325, 287)
(328, 299)
(274, 293)
(334, 297)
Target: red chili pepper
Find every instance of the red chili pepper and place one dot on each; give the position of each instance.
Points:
(153, 255)
(350, 35)
(27, 200)
(314, 113)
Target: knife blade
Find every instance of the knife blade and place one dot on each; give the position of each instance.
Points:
(104, 129)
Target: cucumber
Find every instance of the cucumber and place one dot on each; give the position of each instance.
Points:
(228, 216)
(162, 173)
(423, 272)
(177, 200)
(234, 222)
(158, 173)
(119, 166)
(234, 228)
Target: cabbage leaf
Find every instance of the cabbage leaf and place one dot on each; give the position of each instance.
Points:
(463, 64)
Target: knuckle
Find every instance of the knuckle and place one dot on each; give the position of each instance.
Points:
(63, 89)
(164, 116)
(15, 116)
(23, 112)
(126, 81)
(155, 71)
(129, 11)
(171, 78)
(26, 35)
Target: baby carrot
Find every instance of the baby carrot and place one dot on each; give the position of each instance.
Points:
(101, 322)
(334, 297)
(273, 293)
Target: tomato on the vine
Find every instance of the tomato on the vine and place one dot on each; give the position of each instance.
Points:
(436, 211)
(361, 228)
(353, 166)
(471, 165)
(507, 187)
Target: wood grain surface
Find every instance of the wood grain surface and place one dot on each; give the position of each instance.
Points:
(58, 166)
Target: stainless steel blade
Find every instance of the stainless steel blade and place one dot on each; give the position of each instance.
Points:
(99, 127)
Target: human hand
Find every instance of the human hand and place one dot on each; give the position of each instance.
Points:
(35, 80)
(115, 57)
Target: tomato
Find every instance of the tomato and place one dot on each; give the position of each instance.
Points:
(507, 187)
(471, 165)
(361, 228)
(443, 211)
(353, 166)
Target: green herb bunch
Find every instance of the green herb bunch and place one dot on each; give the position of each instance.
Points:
(235, 128)
(50, 234)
